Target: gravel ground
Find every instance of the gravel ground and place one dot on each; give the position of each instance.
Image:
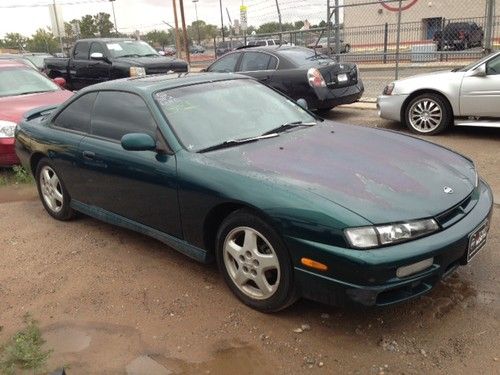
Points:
(110, 301)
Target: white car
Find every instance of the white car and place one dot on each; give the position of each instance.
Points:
(429, 103)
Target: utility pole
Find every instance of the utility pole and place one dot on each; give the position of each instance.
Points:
(178, 46)
(488, 29)
(337, 30)
(114, 16)
(328, 27)
(398, 40)
(197, 23)
(221, 20)
(184, 31)
(279, 20)
(57, 26)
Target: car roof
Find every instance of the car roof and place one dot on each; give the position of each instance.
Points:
(153, 83)
(107, 40)
(9, 62)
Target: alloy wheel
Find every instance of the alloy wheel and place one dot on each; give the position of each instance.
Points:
(251, 262)
(425, 115)
(51, 189)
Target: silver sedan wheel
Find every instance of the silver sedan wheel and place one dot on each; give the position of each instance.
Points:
(425, 115)
(51, 189)
(251, 263)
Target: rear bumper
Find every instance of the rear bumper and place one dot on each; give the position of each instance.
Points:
(369, 277)
(8, 155)
(334, 97)
(389, 106)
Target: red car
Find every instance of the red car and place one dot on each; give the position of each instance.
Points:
(22, 89)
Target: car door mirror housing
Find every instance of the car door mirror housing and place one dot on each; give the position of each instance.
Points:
(302, 103)
(60, 81)
(97, 56)
(480, 71)
(138, 142)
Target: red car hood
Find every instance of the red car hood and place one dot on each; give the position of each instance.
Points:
(12, 108)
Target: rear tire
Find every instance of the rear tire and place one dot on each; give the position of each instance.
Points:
(254, 262)
(52, 192)
(428, 114)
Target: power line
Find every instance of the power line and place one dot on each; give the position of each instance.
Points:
(38, 5)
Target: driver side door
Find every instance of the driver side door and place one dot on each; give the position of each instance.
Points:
(480, 96)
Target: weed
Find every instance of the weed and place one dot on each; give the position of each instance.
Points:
(24, 350)
(21, 175)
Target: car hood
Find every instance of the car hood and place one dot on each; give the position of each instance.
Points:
(12, 108)
(151, 62)
(380, 175)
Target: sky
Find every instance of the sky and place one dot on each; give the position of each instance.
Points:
(26, 16)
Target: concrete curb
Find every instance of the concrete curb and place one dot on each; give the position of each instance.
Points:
(384, 67)
(360, 105)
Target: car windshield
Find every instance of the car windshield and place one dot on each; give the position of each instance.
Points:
(131, 48)
(212, 113)
(20, 81)
(38, 60)
(302, 55)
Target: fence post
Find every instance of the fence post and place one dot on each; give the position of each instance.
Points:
(328, 28)
(279, 19)
(386, 36)
(398, 40)
(489, 22)
(337, 30)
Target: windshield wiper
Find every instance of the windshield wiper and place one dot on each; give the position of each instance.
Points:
(287, 126)
(129, 55)
(238, 141)
(150, 55)
(33, 92)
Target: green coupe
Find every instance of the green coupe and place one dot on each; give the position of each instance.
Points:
(221, 167)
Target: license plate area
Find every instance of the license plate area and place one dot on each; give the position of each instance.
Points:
(477, 239)
(342, 78)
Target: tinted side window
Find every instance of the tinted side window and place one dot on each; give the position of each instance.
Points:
(76, 116)
(253, 61)
(97, 47)
(225, 64)
(81, 51)
(493, 66)
(119, 113)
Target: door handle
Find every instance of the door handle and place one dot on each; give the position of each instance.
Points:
(88, 155)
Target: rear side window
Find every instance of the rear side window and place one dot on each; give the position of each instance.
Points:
(81, 51)
(76, 116)
(119, 113)
(226, 64)
(253, 61)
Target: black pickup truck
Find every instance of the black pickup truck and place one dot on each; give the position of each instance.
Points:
(97, 60)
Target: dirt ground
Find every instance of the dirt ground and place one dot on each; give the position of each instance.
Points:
(110, 301)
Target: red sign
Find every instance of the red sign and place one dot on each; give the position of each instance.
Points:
(395, 8)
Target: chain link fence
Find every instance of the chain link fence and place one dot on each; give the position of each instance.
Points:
(382, 32)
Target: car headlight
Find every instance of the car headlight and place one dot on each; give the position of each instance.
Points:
(7, 129)
(137, 71)
(381, 235)
(388, 89)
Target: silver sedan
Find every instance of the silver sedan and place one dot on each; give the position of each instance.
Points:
(430, 103)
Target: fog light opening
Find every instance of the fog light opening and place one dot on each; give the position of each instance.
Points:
(414, 268)
(313, 264)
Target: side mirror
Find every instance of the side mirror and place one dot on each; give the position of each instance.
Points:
(302, 103)
(97, 56)
(60, 81)
(138, 142)
(480, 71)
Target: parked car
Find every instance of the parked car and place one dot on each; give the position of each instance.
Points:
(321, 46)
(264, 42)
(297, 72)
(227, 46)
(430, 103)
(459, 35)
(170, 50)
(22, 89)
(37, 58)
(221, 167)
(195, 48)
(98, 60)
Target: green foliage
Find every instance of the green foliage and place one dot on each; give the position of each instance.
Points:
(14, 41)
(42, 41)
(159, 38)
(88, 28)
(24, 350)
(103, 24)
(21, 175)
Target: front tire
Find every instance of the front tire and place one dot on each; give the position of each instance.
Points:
(255, 262)
(428, 114)
(52, 192)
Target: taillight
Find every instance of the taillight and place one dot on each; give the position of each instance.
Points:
(461, 35)
(315, 78)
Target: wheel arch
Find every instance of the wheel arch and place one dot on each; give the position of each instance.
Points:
(414, 94)
(34, 160)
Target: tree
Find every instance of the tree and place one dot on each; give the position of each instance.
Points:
(159, 38)
(88, 28)
(103, 24)
(42, 41)
(14, 41)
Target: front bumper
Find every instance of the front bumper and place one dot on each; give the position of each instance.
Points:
(390, 106)
(8, 155)
(369, 277)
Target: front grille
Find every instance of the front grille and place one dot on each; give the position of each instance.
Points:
(456, 213)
